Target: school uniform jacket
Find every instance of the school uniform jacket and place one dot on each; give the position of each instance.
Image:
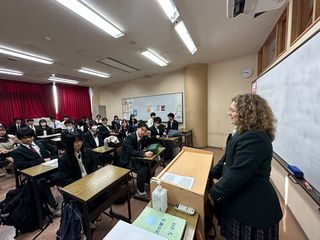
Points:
(125, 132)
(24, 157)
(154, 132)
(89, 141)
(13, 128)
(244, 189)
(174, 125)
(64, 134)
(70, 173)
(104, 131)
(131, 148)
(39, 131)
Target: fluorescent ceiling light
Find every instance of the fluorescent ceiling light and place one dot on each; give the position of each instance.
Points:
(10, 72)
(94, 72)
(91, 15)
(170, 9)
(185, 37)
(24, 55)
(62, 80)
(155, 57)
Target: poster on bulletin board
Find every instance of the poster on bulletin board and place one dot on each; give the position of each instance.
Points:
(162, 104)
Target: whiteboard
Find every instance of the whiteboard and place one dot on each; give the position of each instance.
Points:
(292, 88)
(160, 104)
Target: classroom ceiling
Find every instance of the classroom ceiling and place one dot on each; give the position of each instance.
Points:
(46, 28)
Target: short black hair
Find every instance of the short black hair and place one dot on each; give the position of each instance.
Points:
(157, 120)
(115, 116)
(152, 114)
(25, 132)
(98, 115)
(92, 122)
(103, 119)
(30, 120)
(170, 115)
(65, 116)
(52, 117)
(69, 121)
(142, 124)
(42, 120)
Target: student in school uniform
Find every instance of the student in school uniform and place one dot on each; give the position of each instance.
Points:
(54, 123)
(125, 130)
(69, 128)
(249, 206)
(150, 121)
(104, 129)
(93, 138)
(133, 121)
(63, 122)
(115, 123)
(157, 130)
(30, 124)
(172, 123)
(83, 124)
(98, 119)
(17, 124)
(30, 154)
(132, 147)
(44, 129)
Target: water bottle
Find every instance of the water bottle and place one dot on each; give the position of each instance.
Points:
(105, 143)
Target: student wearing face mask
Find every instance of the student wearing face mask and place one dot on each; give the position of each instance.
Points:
(158, 129)
(69, 128)
(93, 138)
(44, 129)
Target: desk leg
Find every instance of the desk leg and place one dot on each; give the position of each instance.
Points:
(33, 183)
(128, 199)
(86, 221)
(191, 138)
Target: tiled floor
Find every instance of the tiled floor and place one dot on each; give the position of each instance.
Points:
(288, 226)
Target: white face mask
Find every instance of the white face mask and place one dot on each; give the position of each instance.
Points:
(157, 124)
(94, 128)
(69, 128)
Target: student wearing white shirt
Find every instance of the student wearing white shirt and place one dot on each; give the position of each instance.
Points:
(98, 119)
(54, 123)
(150, 121)
(93, 138)
(104, 129)
(29, 123)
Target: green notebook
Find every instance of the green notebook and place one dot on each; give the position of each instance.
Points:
(161, 223)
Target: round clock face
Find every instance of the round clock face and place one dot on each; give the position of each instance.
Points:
(246, 72)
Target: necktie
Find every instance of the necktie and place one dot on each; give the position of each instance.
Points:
(54, 125)
(32, 148)
(18, 126)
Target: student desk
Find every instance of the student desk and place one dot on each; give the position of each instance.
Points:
(173, 141)
(103, 150)
(192, 221)
(49, 136)
(188, 139)
(34, 173)
(90, 187)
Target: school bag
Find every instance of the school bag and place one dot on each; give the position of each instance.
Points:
(71, 227)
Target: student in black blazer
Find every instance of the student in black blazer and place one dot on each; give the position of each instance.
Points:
(29, 154)
(104, 129)
(133, 121)
(69, 128)
(125, 130)
(246, 197)
(15, 126)
(77, 161)
(158, 129)
(172, 124)
(115, 124)
(132, 147)
(93, 138)
(43, 128)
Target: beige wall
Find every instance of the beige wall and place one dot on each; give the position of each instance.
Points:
(111, 96)
(224, 82)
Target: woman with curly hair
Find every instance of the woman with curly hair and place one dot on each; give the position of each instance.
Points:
(248, 204)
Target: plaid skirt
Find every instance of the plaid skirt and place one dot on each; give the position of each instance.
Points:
(233, 230)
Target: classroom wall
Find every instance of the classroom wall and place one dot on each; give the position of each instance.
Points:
(112, 95)
(225, 82)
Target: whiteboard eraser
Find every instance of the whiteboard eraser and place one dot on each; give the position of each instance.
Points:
(295, 171)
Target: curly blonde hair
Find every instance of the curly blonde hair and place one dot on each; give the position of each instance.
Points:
(254, 113)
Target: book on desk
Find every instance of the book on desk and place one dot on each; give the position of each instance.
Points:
(163, 224)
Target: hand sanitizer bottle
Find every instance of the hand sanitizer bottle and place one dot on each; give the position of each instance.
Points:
(159, 198)
(105, 143)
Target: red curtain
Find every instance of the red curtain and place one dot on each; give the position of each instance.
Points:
(25, 100)
(73, 101)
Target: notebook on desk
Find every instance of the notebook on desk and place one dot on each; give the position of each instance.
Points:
(161, 223)
(126, 231)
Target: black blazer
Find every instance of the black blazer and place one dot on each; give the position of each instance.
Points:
(24, 157)
(115, 126)
(244, 189)
(89, 141)
(132, 122)
(154, 132)
(39, 131)
(70, 173)
(13, 128)
(174, 125)
(131, 148)
(124, 132)
(103, 130)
